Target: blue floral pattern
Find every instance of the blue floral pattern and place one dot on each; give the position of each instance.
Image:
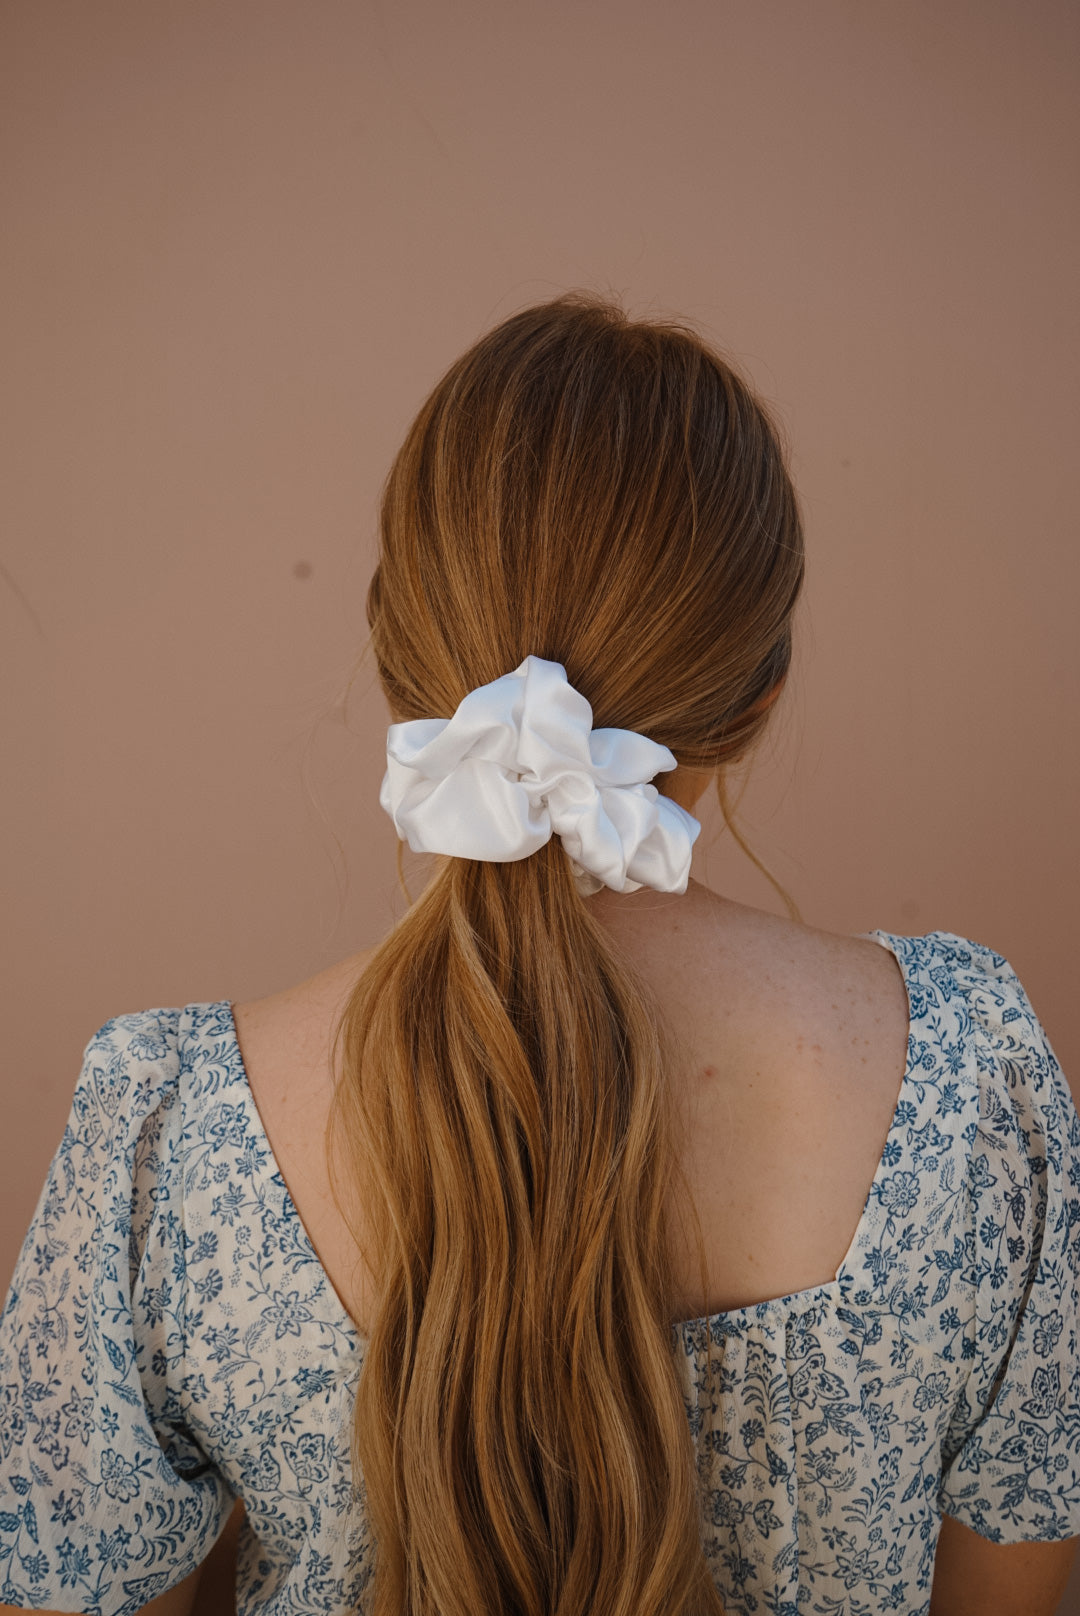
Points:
(170, 1341)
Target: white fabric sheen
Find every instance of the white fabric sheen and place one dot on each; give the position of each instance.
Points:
(520, 762)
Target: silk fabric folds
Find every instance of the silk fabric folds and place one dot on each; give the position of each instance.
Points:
(520, 762)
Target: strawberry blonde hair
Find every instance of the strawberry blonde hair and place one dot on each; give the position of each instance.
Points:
(608, 493)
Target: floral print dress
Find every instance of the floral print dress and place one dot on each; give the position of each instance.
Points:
(170, 1341)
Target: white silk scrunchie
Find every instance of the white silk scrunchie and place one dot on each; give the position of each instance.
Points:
(520, 762)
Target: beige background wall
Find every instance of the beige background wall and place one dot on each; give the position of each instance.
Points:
(242, 240)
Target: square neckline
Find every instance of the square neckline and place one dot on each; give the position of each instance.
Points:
(726, 1319)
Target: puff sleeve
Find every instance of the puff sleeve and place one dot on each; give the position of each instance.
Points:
(106, 1500)
(1011, 1458)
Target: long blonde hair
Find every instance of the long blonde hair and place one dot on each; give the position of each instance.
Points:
(610, 494)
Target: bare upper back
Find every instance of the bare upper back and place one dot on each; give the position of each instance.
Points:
(793, 1048)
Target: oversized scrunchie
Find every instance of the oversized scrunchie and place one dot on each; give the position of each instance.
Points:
(520, 762)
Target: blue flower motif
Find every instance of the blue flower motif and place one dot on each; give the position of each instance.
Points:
(74, 1561)
(112, 1548)
(209, 1286)
(224, 1124)
(205, 1247)
(12, 1423)
(312, 1382)
(306, 1457)
(36, 1566)
(287, 1313)
(750, 1432)
(156, 1300)
(222, 1342)
(900, 1193)
(1048, 1334)
(119, 1476)
(935, 1389)
(79, 1412)
(726, 1509)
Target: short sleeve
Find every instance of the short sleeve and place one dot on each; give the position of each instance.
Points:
(106, 1500)
(1011, 1459)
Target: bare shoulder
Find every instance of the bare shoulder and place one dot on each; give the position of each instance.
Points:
(777, 941)
(839, 1000)
(810, 967)
(751, 976)
(290, 1029)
